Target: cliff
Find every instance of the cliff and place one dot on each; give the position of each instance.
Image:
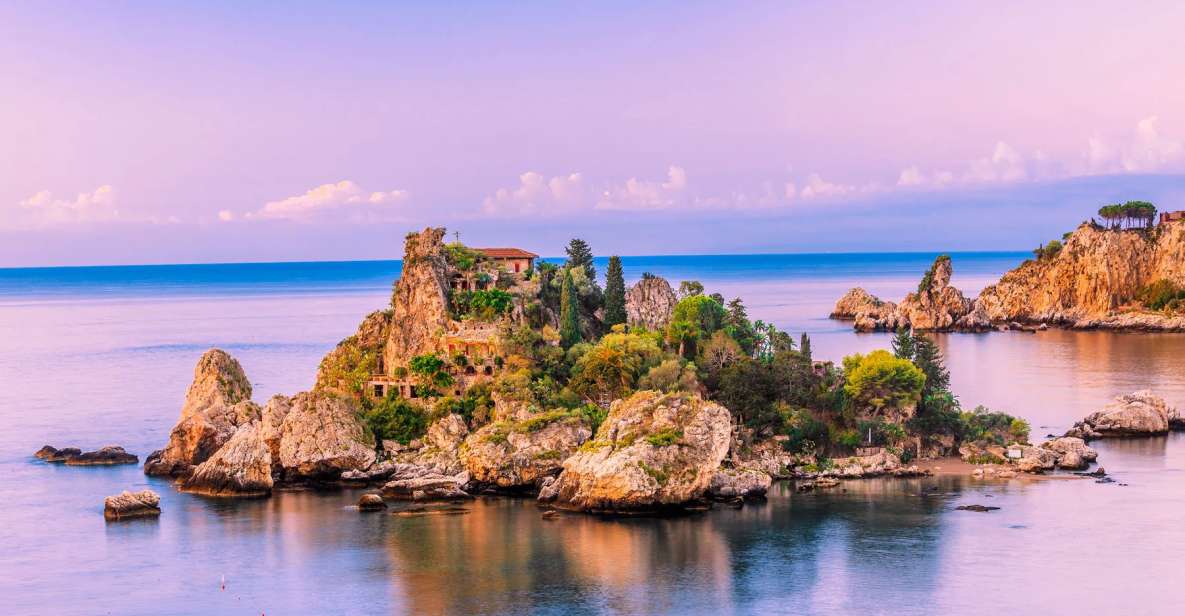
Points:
(935, 306)
(1093, 281)
(420, 303)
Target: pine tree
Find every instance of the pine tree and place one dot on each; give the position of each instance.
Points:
(903, 344)
(580, 255)
(614, 293)
(928, 358)
(569, 312)
(738, 326)
(804, 346)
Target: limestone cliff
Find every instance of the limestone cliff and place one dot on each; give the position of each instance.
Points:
(649, 303)
(935, 306)
(419, 307)
(1093, 281)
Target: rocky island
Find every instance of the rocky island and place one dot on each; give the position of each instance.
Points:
(1096, 277)
(494, 373)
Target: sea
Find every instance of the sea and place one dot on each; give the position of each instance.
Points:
(91, 356)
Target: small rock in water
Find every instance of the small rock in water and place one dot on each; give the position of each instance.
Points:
(371, 502)
(144, 503)
(551, 515)
(980, 508)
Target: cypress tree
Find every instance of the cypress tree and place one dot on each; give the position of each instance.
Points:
(580, 255)
(614, 293)
(569, 312)
(903, 344)
(804, 346)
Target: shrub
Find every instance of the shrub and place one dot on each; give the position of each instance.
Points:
(663, 438)
(985, 425)
(879, 379)
(394, 418)
(1048, 251)
(1160, 294)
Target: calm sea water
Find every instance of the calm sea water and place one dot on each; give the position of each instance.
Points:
(95, 356)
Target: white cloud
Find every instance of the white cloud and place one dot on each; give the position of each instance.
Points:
(1145, 150)
(226, 215)
(536, 193)
(344, 200)
(43, 209)
(638, 194)
(818, 188)
(1004, 165)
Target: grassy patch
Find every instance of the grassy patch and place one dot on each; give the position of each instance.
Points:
(658, 474)
(663, 438)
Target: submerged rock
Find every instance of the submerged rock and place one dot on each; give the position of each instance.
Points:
(241, 467)
(979, 508)
(216, 404)
(144, 503)
(653, 451)
(1136, 414)
(371, 502)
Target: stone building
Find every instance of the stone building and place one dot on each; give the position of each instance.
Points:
(1167, 217)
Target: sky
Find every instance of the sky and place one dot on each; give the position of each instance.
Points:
(138, 132)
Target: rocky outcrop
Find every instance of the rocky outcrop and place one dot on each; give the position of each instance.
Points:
(936, 306)
(441, 445)
(142, 504)
(1136, 414)
(747, 483)
(321, 437)
(857, 467)
(216, 404)
(767, 456)
(1072, 453)
(517, 455)
(1092, 281)
(73, 456)
(649, 303)
(361, 351)
(419, 307)
(653, 451)
(242, 467)
(417, 483)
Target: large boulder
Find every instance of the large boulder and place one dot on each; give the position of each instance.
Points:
(730, 483)
(649, 303)
(241, 467)
(142, 504)
(518, 454)
(321, 436)
(653, 451)
(1072, 453)
(1033, 459)
(868, 312)
(1136, 414)
(418, 483)
(441, 445)
(216, 404)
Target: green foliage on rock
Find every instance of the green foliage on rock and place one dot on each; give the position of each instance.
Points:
(1048, 251)
(983, 425)
(397, 419)
(431, 374)
(1162, 294)
(610, 369)
(475, 406)
(461, 256)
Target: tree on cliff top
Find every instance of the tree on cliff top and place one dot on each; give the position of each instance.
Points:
(569, 312)
(614, 293)
(580, 255)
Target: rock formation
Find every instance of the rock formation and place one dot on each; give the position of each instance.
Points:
(420, 303)
(241, 467)
(362, 351)
(321, 436)
(417, 483)
(1136, 414)
(729, 483)
(935, 306)
(517, 455)
(1072, 453)
(649, 303)
(216, 404)
(1092, 280)
(144, 503)
(73, 456)
(653, 451)
(441, 444)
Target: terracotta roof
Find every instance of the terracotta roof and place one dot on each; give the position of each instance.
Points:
(506, 253)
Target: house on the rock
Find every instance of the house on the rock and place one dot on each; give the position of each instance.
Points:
(492, 262)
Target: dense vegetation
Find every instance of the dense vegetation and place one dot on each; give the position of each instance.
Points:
(1163, 295)
(1130, 215)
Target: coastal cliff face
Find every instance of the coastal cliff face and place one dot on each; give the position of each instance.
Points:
(1093, 282)
(419, 306)
(1093, 279)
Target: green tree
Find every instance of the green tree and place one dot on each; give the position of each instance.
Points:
(804, 347)
(879, 380)
(611, 368)
(580, 255)
(569, 312)
(695, 318)
(431, 374)
(614, 293)
(687, 288)
(394, 418)
(903, 343)
(738, 326)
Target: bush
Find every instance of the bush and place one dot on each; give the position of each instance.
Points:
(992, 427)
(1048, 251)
(666, 437)
(394, 418)
(804, 430)
(1160, 294)
(879, 379)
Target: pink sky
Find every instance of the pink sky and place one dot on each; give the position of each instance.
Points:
(148, 132)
